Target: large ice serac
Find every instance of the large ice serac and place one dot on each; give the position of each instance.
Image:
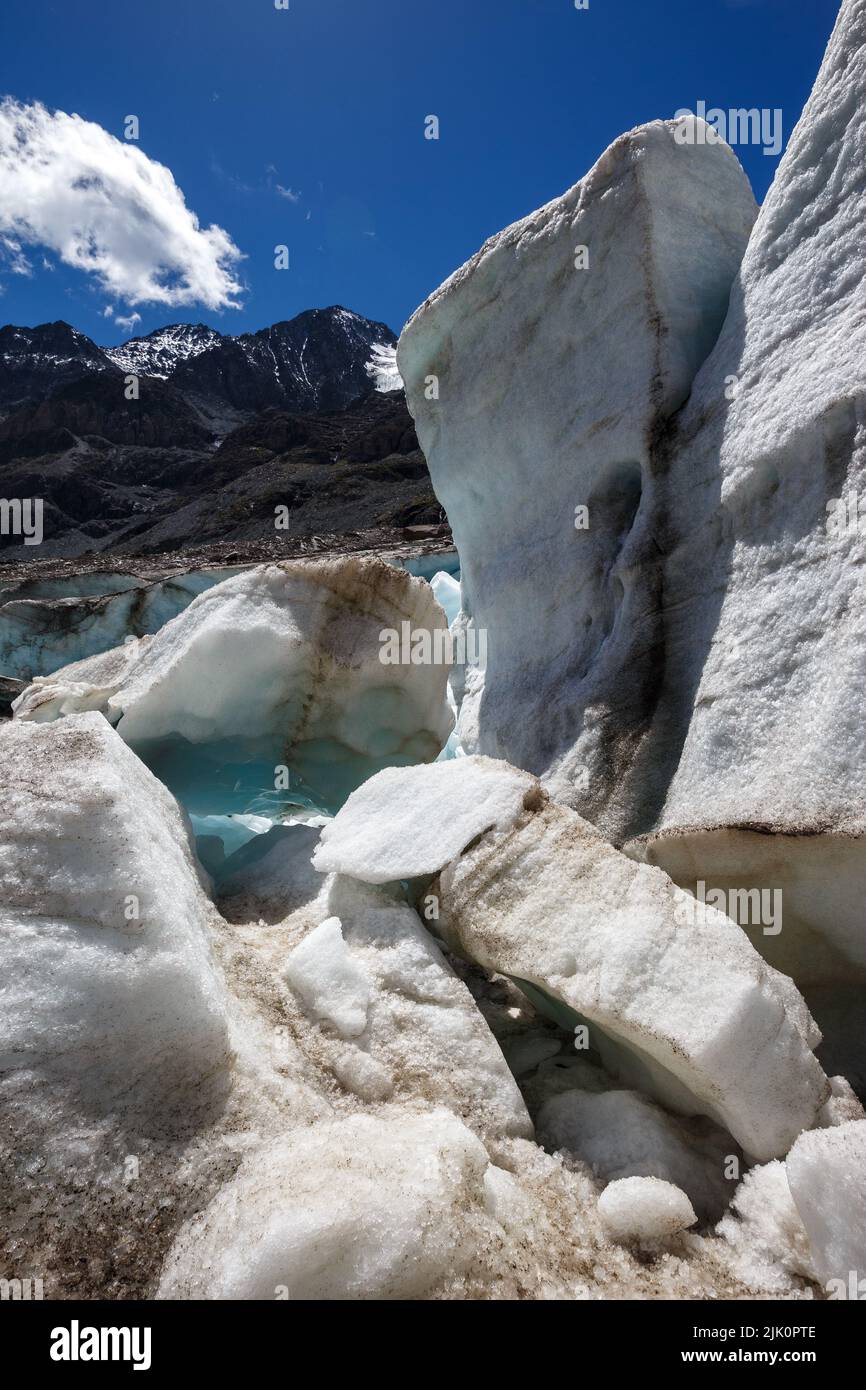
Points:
(685, 1011)
(681, 658)
(766, 580)
(609, 298)
(279, 667)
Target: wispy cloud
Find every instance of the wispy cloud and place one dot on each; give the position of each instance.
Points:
(260, 187)
(127, 321)
(225, 176)
(12, 258)
(102, 206)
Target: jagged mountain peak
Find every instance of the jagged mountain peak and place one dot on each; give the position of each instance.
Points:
(159, 352)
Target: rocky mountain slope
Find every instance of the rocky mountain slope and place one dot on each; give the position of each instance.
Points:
(160, 484)
(223, 432)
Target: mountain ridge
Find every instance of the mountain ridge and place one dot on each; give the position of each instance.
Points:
(319, 360)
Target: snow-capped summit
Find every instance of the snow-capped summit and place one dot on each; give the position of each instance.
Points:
(160, 352)
(315, 361)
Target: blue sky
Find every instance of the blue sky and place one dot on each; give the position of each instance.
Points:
(327, 102)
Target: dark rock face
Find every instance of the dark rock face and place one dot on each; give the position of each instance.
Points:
(223, 433)
(351, 470)
(9, 690)
(98, 405)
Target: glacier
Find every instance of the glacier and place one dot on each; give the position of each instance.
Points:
(384, 981)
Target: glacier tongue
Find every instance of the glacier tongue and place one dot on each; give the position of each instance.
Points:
(44, 624)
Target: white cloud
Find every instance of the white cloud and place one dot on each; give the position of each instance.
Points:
(13, 258)
(289, 193)
(103, 207)
(127, 321)
(108, 311)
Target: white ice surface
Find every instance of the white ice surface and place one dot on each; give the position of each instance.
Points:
(407, 822)
(827, 1174)
(622, 1134)
(367, 1207)
(689, 1010)
(277, 667)
(644, 1209)
(447, 591)
(331, 983)
(110, 993)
